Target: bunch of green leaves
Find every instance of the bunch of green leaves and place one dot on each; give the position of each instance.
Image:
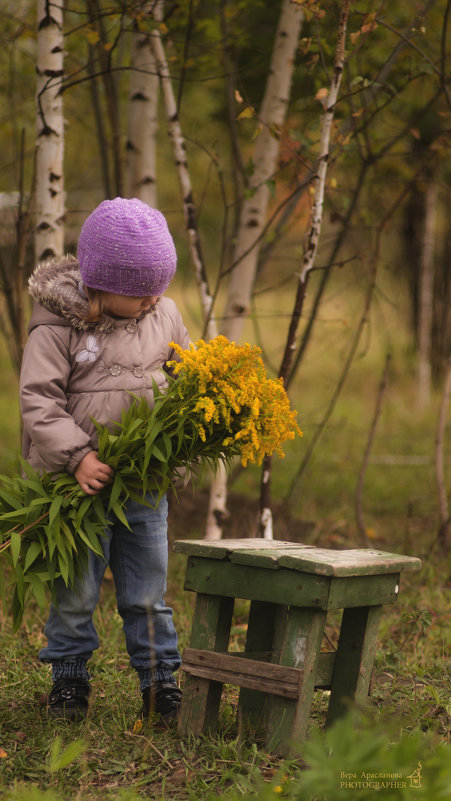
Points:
(49, 525)
(47, 528)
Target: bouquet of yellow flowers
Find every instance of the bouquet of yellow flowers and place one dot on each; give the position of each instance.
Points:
(219, 404)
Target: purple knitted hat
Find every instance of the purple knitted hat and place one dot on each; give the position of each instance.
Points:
(125, 248)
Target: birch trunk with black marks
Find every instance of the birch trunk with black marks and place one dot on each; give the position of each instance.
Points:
(312, 241)
(218, 489)
(141, 165)
(254, 209)
(50, 202)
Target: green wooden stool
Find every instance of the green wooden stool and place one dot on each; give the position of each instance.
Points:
(291, 588)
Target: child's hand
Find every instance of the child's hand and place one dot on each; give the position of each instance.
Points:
(92, 474)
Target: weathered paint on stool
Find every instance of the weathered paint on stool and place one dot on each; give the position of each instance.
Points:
(291, 588)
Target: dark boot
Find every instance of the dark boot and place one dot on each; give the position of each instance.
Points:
(163, 698)
(68, 698)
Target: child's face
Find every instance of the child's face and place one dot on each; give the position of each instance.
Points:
(126, 306)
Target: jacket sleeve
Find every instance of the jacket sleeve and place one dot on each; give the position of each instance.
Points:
(43, 401)
(179, 335)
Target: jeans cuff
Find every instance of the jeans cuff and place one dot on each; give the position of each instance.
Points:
(148, 677)
(69, 669)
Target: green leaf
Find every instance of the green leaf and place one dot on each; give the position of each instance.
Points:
(18, 513)
(17, 610)
(69, 537)
(60, 758)
(119, 512)
(38, 589)
(16, 542)
(82, 510)
(37, 487)
(115, 491)
(55, 507)
(63, 567)
(91, 541)
(167, 444)
(10, 499)
(33, 552)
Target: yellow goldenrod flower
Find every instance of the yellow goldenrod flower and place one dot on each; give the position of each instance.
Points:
(232, 393)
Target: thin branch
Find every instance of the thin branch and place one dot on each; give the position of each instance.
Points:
(186, 43)
(327, 272)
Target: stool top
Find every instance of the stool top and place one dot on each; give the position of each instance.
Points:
(274, 554)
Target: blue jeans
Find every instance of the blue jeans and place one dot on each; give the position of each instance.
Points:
(138, 561)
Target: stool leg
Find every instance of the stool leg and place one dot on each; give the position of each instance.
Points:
(260, 635)
(298, 635)
(354, 659)
(210, 631)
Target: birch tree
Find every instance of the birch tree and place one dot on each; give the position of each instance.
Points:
(254, 208)
(141, 167)
(50, 204)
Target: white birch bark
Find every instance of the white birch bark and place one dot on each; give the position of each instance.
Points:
(141, 164)
(50, 201)
(253, 214)
(425, 298)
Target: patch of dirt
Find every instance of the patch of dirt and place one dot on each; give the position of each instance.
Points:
(188, 515)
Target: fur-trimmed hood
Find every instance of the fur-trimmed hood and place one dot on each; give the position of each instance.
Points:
(57, 287)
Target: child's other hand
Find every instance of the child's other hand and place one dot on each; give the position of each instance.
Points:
(92, 474)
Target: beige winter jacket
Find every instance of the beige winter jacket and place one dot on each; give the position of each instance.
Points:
(73, 371)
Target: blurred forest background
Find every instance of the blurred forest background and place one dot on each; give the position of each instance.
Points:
(242, 89)
(301, 154)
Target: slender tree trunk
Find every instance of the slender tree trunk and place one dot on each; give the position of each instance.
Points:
(110, 90)
(141, 167)
(50, 205)
(426, 296)
(179, 151)
(445, 520)
(253, 212)
(218, 492)
(312, 241)
(100, 125)
(23, 232)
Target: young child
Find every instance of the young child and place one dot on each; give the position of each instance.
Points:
(99, 331)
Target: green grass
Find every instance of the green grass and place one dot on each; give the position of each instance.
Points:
(409, 701)
(409, 711)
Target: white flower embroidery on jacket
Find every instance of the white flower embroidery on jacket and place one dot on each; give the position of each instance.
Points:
(90, 353)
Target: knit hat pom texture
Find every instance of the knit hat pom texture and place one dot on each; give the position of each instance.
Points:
(125, 248)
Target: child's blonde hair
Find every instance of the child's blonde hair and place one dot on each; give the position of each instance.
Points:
(97, 299)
